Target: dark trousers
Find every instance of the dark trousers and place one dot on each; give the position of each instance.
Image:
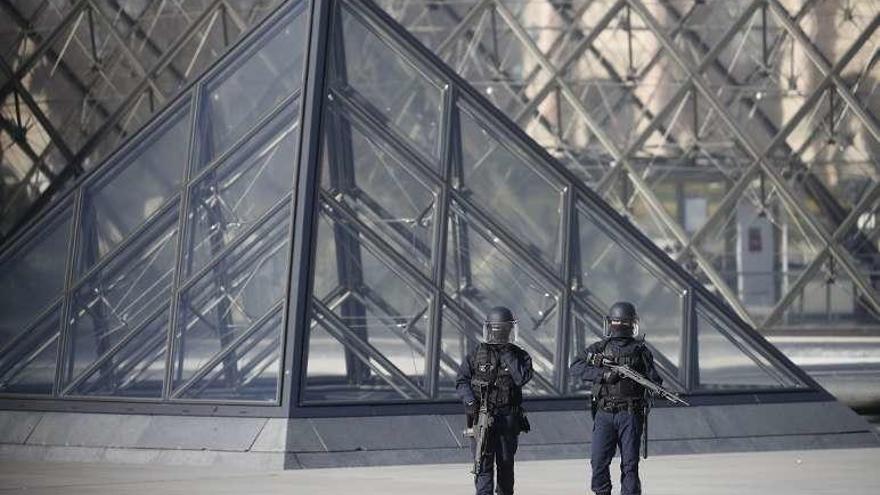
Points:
(611, 431)
(501, 446)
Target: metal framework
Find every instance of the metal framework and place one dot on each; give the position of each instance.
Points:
(401, 203)
(79, 77)
(162, 292)
(766, 109)
(432, 207)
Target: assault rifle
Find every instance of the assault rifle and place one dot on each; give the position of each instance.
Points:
(651, 387)
(627, 372)
(479, 431)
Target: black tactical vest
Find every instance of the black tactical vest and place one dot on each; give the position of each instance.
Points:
(503, 393)
(625, 389)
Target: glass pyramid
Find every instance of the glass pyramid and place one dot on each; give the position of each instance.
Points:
(430, 214)
(166, 276)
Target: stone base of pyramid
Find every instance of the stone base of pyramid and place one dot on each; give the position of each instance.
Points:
(272, 443)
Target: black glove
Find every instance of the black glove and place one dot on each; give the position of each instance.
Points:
(594, 359)
(506, 357)
(472, 408)
(610, 377)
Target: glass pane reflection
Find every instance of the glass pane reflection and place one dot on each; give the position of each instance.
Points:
(390, 85)
(116, 300)
(255, 83)
(130, 192)
(480, 275)
(135, 369)
(27, 364)
(506, 185)
(32, 277)
(238, 193)
(727, 361)
(225, 303)
(610, 273)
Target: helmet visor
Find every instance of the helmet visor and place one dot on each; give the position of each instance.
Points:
(613, 327)
(500, 332)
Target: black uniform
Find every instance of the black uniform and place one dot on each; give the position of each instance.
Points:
(506, 368)
(618, 410)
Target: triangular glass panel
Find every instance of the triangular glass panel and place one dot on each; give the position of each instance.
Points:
(102, 62)
(633, 204)
(720, 284)
(240, 191)
(482, 272)
(121, 295)
(32, 274)
(691, 129)
(383, 190)
(555, 124)
(729, 360)
(266, 73)
(603, 260)
(229, 294)
(369, 375)
(202, 45)
(688, 171)
(115, 136)
(560, 29)
(68, 66)
(506, 184)
(368, 70)
(552, 120)
(750, 77)
(173, 24)
(250, 370)
(27, 363)
(130, 191)
(488, 52)
(326, 261)
(380, 307)
(360, 346)
(134, 368)
(330, 374)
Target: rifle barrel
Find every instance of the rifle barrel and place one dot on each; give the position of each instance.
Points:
(645, 382)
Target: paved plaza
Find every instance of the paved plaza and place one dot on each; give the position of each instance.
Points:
(777, 473)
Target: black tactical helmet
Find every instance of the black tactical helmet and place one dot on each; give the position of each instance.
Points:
(623, 311)
(622, 320)
(500, 323)
(500, 314)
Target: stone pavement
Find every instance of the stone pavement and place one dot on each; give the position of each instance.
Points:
(777, 473)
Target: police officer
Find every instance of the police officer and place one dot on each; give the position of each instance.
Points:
(506, 368)
(618, 403)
